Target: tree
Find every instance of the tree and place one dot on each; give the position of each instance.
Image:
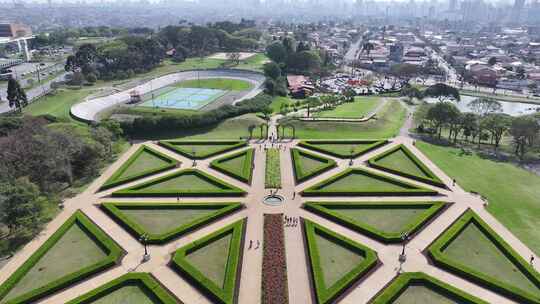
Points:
(289, 44)
(250, 130)
(277, 52)
(234, 57)
(485, 105)
(16, 95)
(312, 102)
(305, 62)
(469, 125)
(272, 70)
(496, 124)
(492, 61)
(411, 92)
(368, 47)
(441, 114)
(22, 208)
(442, 92)
(523, 129)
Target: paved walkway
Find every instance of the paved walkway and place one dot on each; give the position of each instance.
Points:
(298, 274)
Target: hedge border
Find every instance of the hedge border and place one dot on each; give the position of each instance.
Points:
(114, 210)
(133, 191)
(321, 208)
(328, 295)
(115, 253)
(113, 180)
(470, 217)
(246, 172)
(404, 280)
(312, 145)
(299, 174)
(171, 145)
(228, 294)
(433, 180)
(268, 182)
(143, 279)
(415, 191)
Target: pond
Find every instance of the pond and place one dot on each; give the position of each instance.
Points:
(273, 200)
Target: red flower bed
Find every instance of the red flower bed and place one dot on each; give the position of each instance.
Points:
(274, 266)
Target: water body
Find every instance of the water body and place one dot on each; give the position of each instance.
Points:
(510, 108)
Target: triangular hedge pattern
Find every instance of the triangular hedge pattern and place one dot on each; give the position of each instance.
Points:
(161, 222)
(213, 262)
(336, 262)
(143, 288)
(238, 165)
(78, 243)
(343, 148)
(307, 165)
(401, 161)
(407, 287)
(144, 162)
(384, 221)
(471, 249)
(200, 149)
(361, 182)
(188, 182)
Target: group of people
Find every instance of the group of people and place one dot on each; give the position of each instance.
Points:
(291, 221)
(251, 245)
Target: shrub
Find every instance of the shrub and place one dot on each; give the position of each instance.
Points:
(274, 265)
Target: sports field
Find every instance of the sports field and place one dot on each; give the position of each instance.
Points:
(183, 98)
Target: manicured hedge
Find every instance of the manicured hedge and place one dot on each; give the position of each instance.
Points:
(113, 181)
(313, 145)
(325, 294)
(229, 293)
(115, 211)
(114, 253)
(300, 174)
(321, 209)
(145, 280)
(317, 189)
(404, 280)
(244, 173)
(226, 188)
(228, 145)
(439, 259)
(432, 180)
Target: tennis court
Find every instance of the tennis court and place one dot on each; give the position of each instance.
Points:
(181, 98)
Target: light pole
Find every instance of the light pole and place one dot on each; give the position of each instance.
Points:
(194, 152)
(351, 160)
(404, 239)
(144, 241)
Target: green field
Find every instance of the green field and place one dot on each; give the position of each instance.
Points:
(356, 181)
(415, 294)
(280, 100)
(216, 83)
(127, 294)
(233, 128)
(58, 104)
(272, 178)
(388, 123)
(60, 260)
(513, 193)
(254, 63)
(400, 161)
(361, 107)
(161, 221)
(211, 259)
(472, 248)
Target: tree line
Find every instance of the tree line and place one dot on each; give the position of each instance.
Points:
(40, 160)
(485, 124)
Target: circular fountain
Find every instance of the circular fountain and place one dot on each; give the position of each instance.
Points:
(273, 200)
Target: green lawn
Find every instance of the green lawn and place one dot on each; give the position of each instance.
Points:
(388, 123)
(361, 107)
(280, 100)
(400, 161)
(358, 182)
(415, 294)
(75, 250)
(186, 181)
(58, 104)
(202, 150)
(144, 162)
(216, 83)
(336, 260)
(345, 149)
(272, 178)
(513, 193)
(233, 128)
(132, 293)
(254, 63)
(473, 249)
(387, 219)
(211, 259)
(161, 221)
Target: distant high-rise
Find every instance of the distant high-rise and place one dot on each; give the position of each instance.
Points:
(452, 5)
(516, 10)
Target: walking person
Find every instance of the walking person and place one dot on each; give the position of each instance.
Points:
(250, 244)
(532, 259)
(258, 244)
(453, 182)
(293, 194)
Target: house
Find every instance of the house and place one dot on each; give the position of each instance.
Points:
(483, 74)
(299, 86)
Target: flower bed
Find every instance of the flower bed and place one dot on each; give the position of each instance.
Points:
(274, 266)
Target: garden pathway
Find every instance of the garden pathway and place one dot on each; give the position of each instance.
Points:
(298, 272)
